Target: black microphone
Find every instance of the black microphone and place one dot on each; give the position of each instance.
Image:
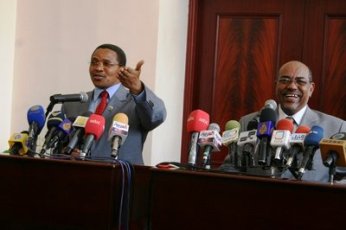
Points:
(264, 132)
(247, 143)
(61, 98)
(53, 121)
(57, 142)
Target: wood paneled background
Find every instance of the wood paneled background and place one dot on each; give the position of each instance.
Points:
(236, 47)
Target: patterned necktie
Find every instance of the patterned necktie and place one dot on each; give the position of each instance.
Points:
(103, 103)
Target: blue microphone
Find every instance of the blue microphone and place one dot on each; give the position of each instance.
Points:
(311, 143)
(36, 120)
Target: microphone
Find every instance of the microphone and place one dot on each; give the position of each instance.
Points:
(297, 144)
(118, 132)
(17, 143)
(94, 128)
(197, 121)
(333, 150)
(79, 125)
(264, 132)
(229, 139)
(333, 153)
(271, 104)
(82, 97)
(311, 144)
(211, 141)
(36, 119)
(61, 98)
(280, 139)
(247, 142)
(57, 142)
(53, 121)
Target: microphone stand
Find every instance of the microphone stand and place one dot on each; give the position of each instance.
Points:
(330, 162)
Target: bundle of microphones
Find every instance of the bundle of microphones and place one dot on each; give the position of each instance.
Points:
(267, 145)
(66, 134)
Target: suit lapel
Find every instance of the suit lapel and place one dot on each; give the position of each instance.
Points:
(120, 97)
(310, 118)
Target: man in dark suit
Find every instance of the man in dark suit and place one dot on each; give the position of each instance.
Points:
(294, 87)
(126, 94)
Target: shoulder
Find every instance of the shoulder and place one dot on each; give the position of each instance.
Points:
(331, 124)
(244, 120)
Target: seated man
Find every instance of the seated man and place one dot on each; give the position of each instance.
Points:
(294, 87)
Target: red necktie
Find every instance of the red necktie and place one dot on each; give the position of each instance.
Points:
(103, 103)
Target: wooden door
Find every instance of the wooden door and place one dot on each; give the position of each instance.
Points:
(235, 48)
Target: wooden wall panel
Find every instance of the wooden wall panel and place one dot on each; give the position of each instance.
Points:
(236, 47)
(334, 75)
(246, 55)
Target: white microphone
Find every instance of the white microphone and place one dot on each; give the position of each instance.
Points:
(297, 144)
(230, 138)
(280, 139)
(118, 132)
(211, 141)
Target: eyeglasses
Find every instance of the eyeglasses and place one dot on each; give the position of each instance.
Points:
(299, 81)
(107, 64)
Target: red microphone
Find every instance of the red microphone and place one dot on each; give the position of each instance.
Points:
(197, 121)
(94, 128)
(281, 138)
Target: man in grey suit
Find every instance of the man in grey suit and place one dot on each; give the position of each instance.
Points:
(294, 87)
(126, 94)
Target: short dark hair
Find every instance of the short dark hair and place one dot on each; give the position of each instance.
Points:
(121, 54)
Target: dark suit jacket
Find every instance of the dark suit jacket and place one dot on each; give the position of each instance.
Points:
(330, 125)
(143, 117)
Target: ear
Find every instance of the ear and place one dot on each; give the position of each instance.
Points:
(311, 89)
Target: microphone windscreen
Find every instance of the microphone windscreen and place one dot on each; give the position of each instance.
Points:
(232, 124)
(95, 125)
(54, 119)
(314, 137)
(268, 114)
(285, 124)
(253, 124)
(303, 129)
(214, 126)
(270, 104)
(121, 117)
(84, 97)
(197, 121)
(36, 114)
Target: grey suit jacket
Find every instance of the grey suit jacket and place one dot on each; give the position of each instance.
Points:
(143, 117)
(330, 125)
